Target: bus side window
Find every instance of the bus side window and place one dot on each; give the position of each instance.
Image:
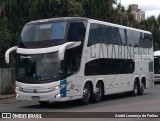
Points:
(122, 36)
(76, 32)
(130, 38)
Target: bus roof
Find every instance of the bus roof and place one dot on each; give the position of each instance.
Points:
(157, 53)
(89, 20)
(58, 19)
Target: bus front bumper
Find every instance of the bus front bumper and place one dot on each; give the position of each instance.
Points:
(51, 96)
(157, 79)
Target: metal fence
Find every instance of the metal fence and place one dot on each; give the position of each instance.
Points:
(6, 81)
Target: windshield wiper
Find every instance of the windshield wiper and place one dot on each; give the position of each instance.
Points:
(49, 77)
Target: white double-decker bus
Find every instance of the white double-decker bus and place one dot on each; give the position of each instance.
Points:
(157, 66)
(71, 58)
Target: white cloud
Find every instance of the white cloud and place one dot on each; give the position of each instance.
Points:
(151, 7)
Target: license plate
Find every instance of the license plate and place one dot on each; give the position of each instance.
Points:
(35, 97)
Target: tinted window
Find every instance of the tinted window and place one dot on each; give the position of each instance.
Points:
(118, 36)
(105, 66)
(111, 35)
(108, 35)
(122, 36)
(95, 34)
(58, 30)
(130, 38)
(145, 40)
(77, 31)
(28, 34)
(141, 40)
(43, 32)
(138, 36)
(104, 34)
(151, 66)
(72, 60)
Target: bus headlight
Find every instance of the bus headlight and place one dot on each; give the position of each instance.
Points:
(58, 87)
(55, 88)
(18, 88)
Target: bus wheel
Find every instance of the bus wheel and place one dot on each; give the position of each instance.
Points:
(44, 102)
(99, 92)
(141, 89)
(135, 90)
(86, 94)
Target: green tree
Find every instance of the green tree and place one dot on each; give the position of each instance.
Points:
(5, 39)
(129, 17)
(119, 15)
(98, 9)
(151, 24)
(156, 38)
(158, 20)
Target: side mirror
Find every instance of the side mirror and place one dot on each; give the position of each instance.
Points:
(8, 52)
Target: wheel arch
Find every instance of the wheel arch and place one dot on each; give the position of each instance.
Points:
(137, 80)
(101, 81)
(90, 83)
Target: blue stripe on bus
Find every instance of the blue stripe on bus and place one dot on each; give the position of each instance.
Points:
(63, 90)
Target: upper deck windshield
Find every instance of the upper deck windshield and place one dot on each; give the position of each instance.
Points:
(49, 34)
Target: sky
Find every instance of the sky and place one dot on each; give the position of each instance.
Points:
(151, 7)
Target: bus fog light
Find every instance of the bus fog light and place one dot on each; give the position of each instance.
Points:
(58, 95)
(17, 95)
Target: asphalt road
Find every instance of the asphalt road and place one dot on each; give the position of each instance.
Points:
(149, 102)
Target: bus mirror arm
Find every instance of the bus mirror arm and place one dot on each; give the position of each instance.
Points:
(8, 52)
(65, 46)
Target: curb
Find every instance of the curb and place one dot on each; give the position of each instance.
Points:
(2, 97)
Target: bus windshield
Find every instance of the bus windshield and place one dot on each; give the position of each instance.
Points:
(39, 67)
(157, 65)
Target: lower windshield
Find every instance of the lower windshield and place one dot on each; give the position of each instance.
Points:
(157, 65)
(37, 68)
